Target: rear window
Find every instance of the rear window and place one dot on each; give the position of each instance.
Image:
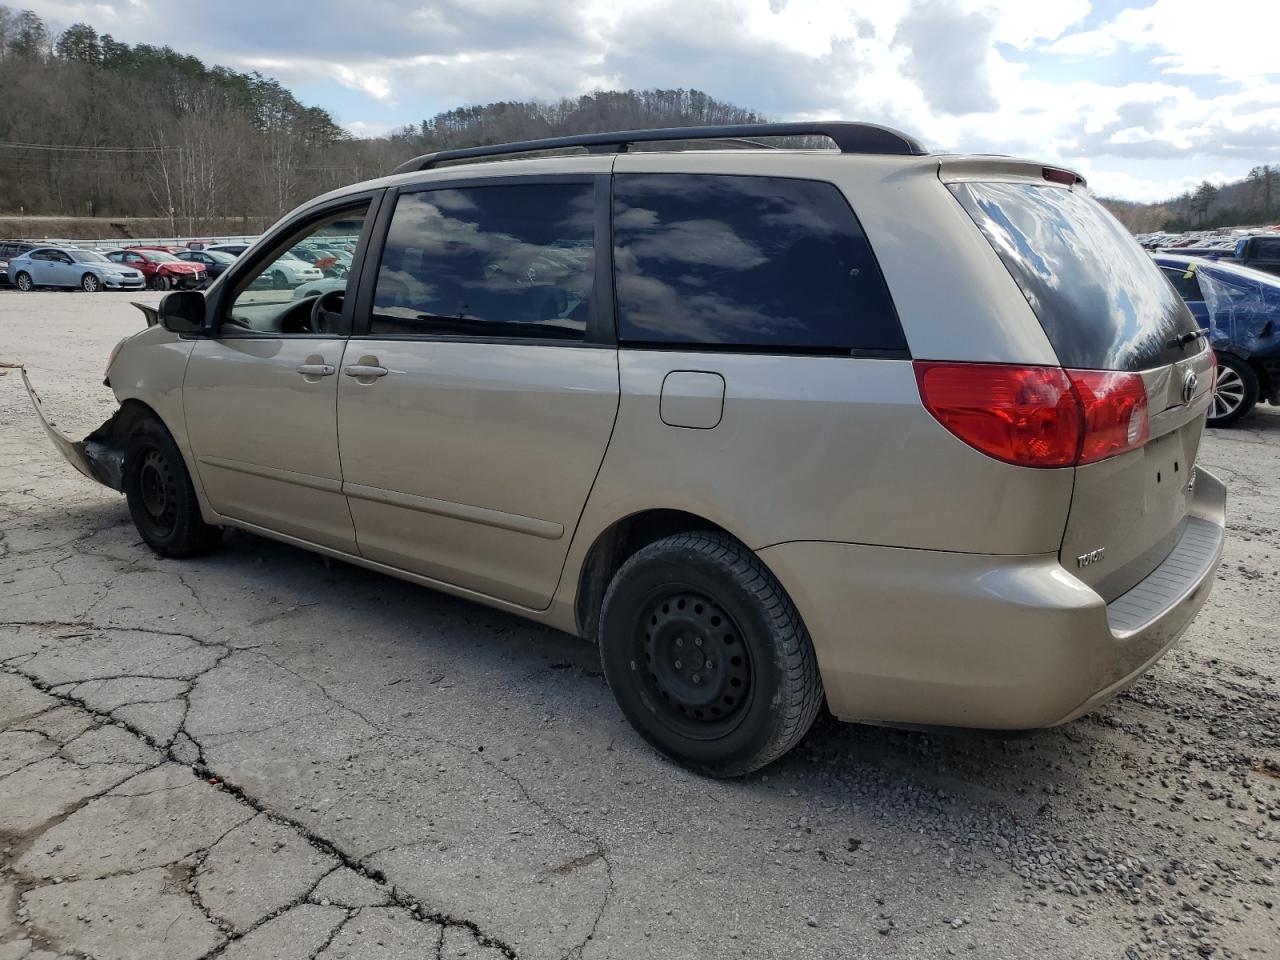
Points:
(746, 262)
(1100, 298)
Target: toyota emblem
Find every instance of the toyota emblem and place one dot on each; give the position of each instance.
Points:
(1189, 383)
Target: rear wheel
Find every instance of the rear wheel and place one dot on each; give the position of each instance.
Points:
(1235, 391)
(90, 283)
(161, 498)
(707, 656)
(23, 282)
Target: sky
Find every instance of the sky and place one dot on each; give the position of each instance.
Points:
(1145, 98)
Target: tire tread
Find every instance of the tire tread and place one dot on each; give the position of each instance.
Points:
(801, 689)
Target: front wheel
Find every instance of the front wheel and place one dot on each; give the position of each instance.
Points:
(707, 656)
(90, 283)
(23, 282)
(279, 281)
(161, 498)
(1235, 391)
(159, 282)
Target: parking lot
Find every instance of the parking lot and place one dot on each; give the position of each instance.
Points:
(263, 753)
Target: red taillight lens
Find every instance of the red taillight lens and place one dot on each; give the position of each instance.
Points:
(1022, 415)
(1115, 412)
(1037, 416)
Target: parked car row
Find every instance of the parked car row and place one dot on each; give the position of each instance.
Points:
(71, 267)
(1260, 249)
(167, 266)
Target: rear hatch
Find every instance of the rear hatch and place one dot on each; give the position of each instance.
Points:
(1104, 305)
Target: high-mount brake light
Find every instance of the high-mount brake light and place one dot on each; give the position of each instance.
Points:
(1036, 416)
(1054, 175)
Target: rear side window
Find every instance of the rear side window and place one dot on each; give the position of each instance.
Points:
(498, 261)
(1184, 281)
(1099, 297)
(750, 262)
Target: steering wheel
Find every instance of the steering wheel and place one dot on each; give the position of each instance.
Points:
(326, 312)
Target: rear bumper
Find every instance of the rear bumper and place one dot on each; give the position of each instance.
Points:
(997, 642)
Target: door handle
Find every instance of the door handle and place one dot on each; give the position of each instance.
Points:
(316, 369)
(364, 371)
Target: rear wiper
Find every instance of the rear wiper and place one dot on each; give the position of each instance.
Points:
(1185, 338)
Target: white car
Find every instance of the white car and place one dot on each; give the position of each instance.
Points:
(289, 271)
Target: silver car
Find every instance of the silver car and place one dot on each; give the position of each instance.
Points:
(71, 267)
(910, 436)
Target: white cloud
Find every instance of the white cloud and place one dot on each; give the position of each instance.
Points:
(1161, 93)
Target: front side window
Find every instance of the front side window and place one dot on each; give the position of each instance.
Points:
(279, 295)
(1267, 249)
(510, 260)
(748, 262)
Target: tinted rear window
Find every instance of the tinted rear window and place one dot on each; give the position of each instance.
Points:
(747, 262)
(1100, 298)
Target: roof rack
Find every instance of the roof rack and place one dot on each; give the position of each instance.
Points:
(848, 137)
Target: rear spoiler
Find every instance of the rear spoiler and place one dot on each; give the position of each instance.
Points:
(959, 169)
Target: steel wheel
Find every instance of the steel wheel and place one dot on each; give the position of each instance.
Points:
(279, 281)
(695, 666)
(159, 489)
(1228, 394)
(90, 283)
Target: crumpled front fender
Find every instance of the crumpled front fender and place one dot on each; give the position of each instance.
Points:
(94, 456)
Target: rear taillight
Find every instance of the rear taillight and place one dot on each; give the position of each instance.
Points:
(1037, 416)
(1115, 412)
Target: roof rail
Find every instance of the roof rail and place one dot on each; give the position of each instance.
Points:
(848, 137)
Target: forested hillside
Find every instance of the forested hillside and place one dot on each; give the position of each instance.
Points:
(90, 126)
(1251, 201)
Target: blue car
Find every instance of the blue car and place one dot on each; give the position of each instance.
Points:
(71, 267)
(1240, 309)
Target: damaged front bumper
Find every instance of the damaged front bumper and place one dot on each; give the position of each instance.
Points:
(94, 456)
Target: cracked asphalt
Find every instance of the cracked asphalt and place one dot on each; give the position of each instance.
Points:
(263, 754)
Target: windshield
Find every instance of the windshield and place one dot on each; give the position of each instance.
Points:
(87, 256)
(159, 256)
(219, 257)
(1102, 301)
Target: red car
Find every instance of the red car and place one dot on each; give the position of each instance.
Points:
(163, 271)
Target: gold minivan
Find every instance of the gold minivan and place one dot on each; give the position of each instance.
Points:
(913, 435)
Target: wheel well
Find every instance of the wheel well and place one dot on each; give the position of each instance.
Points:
(115, 430)
(615, 545)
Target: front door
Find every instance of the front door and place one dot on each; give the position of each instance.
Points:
(260, 397)
(479, 390)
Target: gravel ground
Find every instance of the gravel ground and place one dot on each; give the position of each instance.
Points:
(264, 754)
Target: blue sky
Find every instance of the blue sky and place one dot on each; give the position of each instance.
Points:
(1146, 97)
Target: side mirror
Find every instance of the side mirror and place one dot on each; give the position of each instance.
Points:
(182, 311)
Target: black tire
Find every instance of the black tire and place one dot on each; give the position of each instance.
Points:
(23, 282)
(1239, 393)
(90, 283)
(752, 689)
(161, 499)
(279, 281)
